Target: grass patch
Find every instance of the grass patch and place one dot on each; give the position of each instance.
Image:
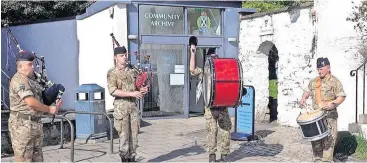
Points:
(361, 151)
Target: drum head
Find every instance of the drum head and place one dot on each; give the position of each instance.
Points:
(208, 82)
(310, 116)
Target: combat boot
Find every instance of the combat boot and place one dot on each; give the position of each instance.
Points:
(123, 158)
(212, 158)
(132, 159)
(223, 158)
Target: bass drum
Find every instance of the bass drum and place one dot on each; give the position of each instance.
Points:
(222, 82)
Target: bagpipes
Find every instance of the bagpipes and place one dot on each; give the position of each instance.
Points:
(51, 91)
(142, 77)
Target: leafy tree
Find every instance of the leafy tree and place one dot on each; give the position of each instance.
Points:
(14, 12)
(359, 16)
(265, 6)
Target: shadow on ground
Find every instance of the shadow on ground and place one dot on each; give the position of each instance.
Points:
(255, 149)
(101, 153)
(189, 151)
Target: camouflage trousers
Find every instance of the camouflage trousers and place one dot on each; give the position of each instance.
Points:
(126, 123)
(218, 117)
(26, 139)
(323, 149)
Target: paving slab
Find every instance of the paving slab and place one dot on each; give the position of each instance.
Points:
(184, 140)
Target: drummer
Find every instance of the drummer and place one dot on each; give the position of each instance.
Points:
(213, 116)
(327, 93)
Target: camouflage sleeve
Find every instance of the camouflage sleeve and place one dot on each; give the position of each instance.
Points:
(197, 71)
(339, 91)
(21, 87)
(111, 82)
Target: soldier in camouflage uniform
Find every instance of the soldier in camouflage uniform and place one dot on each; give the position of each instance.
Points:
(214, 116)
(330, 96)
(121, 84)
(26, 129)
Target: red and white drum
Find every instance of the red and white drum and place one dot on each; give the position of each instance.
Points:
(222, 82)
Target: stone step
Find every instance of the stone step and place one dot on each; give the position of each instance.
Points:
(358, 128)
(362, 119)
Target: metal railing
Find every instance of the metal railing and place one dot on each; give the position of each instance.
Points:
(91, 113)
(3, 100)
(355, 73)
(71, 130)
(3, 90)
(6, 75)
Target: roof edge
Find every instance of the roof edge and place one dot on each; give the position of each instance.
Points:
(284, 9)
(98, 7)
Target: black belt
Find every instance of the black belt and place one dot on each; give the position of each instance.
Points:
(128, 99)
(25, 116)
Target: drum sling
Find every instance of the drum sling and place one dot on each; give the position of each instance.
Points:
(318, 92)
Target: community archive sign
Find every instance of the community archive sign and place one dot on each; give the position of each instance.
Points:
(161, 20)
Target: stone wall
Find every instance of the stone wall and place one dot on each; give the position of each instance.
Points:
(292, 34)
(301, 35)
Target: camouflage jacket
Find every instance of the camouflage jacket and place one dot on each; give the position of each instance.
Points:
(123, 80)
(331, 88)
(21, 87)
(198, 72)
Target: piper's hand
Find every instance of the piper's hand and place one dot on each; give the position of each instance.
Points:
(21, 51)
(193, 49)
(53, 110)
(58, 103)
(137, 94)
(144, 90)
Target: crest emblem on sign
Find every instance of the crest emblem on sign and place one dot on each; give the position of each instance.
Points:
(203, 22)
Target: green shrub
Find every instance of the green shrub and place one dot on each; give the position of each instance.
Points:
(361, 151)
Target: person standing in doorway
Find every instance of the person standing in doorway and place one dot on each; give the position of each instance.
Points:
(121, 85)
(327, 93)
(273, 85)
(213, 116)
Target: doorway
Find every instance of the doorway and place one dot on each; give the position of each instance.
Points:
(273, 83)
(197, 108)
(166, 95)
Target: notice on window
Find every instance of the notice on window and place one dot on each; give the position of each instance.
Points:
(179, 69)
(177, 79)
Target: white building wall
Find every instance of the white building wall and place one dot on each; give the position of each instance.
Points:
(339, 42)
(57, 42)
(96, 48)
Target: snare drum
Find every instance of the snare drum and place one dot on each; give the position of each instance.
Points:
(222, 82)
(313, 125)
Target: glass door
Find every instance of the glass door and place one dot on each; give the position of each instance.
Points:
(166, 95)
